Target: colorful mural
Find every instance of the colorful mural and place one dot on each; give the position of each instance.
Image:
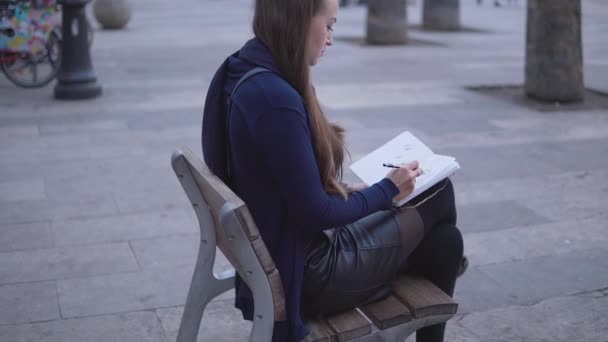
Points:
(32, 22)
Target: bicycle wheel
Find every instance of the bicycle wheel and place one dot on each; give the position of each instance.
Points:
(35, 70)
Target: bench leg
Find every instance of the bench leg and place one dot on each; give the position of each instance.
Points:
(204, 287)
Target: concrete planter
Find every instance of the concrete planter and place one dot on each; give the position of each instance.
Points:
(554, 56)
(112, 14)
(386, 22)
(441, 15)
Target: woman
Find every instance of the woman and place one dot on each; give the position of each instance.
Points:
(335, 246)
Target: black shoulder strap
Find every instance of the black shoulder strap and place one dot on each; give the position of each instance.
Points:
(243, 78)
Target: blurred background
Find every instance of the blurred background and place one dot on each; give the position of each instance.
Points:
(98, 240)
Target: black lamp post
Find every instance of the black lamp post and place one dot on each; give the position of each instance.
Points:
(76, 78)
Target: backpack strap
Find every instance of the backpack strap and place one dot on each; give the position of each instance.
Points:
(242, 80)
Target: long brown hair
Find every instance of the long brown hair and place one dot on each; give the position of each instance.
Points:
(283, 26)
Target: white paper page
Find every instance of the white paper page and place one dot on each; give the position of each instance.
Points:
(402, 149)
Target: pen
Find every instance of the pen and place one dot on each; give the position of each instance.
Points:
(390, 165)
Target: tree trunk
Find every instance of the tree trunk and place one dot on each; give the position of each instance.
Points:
(554, 56)
(387, 22)
(441, 15)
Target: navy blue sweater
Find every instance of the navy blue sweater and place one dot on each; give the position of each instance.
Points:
(274, 171)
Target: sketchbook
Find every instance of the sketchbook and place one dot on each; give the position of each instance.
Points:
(402, 149)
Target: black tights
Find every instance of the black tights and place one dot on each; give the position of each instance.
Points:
(437, 251)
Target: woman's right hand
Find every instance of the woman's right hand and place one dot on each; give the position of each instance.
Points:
(405, 178)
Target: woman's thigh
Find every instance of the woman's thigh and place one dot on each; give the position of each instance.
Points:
(354, 265)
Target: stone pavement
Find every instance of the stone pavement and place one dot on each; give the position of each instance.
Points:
(97, 240)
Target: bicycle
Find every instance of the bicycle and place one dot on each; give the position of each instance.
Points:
(30, 41)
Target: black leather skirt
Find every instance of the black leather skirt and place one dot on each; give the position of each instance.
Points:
(353, 265)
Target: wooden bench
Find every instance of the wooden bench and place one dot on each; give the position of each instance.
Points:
(225, 222)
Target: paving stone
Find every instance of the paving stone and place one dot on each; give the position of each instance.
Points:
(62, 148)
(117, 175)
(9, 133)
(560, 319)
(124, 227)
(124, 292)
(535, 279)
(66, 262)
(46, 209)
(106, 171)
(22, 190)
(133, 327)
(496, 216)
(221, 322)
(477, 292)
(33, 235)
(152, 199)
(484, 163)
(28, 302)
(525, 189)
(81, 127)
(575, 206)
(551, 239)
(173, 251)
(343, 96)
(576, 155)
(453, 332)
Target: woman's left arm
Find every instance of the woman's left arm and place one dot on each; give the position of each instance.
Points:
(285, 145)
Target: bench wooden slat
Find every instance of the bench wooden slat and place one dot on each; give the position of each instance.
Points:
(349, 325)
(387, 313)
(263, 255)
(274, 278)
(319, 332)
(422, 297)
(217, 193)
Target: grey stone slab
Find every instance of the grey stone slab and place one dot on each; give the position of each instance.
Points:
(370, 95)
(173, 251)
(132, 326)
(221, 322)
(552, 239)
(495, 162)
(578, 205)
(545, 188)
(177, 118)
(62, 148)
(562, 319)
(124, 227)
(151, 199)
(84, 128)
(28, 302)
(576, 155)
(67, 262)
(103, 175)
(476, 292)
(125, 292)
(58, 208)
(166, 251)
(9, 133)
(22, 190)
(496, 216)
(539, 278)
(25, 236)
(454, 332)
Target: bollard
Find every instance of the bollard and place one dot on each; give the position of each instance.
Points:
(76, 78)
(441, 15)
(386, 22)
(554, 51)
